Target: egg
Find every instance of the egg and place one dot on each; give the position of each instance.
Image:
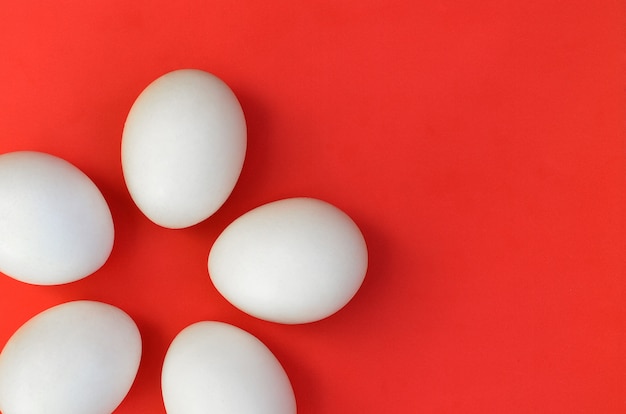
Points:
(291, 261)
(55, 225)
(214, 367)
(183, 147)
(77, 357)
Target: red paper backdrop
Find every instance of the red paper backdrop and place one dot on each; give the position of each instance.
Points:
(479, 146)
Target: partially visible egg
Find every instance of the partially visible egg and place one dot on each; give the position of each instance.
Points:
(292, 261)
(183, 147)
(214, 367)
(55, 225)
(77, 357)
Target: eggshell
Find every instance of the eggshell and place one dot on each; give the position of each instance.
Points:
(292, 261)
(77, 357)
(214, 367)
(55, 225)
(183, 147)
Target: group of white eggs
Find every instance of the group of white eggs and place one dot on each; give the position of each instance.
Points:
(291, 261)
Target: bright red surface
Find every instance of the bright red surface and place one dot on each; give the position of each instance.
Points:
(480, 147)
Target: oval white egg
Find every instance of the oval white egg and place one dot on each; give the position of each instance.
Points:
(77, 357)
(183, 147)
(214, 367)
(292, 261)
(55, 225)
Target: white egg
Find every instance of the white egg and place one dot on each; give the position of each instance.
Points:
(77, 357)
(183, 147)
(213, 367)
(55, 225)
(292, 261)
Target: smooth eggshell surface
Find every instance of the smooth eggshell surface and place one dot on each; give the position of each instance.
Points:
(213, 367)
(292, 261)
(77, 357)
(55, 225)
(183, 147)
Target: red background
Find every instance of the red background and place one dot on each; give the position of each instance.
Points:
(478, 145)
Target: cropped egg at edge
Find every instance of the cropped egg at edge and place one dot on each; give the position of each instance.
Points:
(291, 261)
(55, 225)
(77, 357)
(183, 147)
(214, 367)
